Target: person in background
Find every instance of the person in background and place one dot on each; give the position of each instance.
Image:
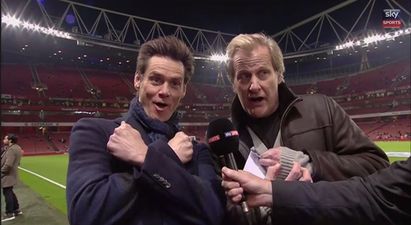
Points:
(141, 169)
(10, 160)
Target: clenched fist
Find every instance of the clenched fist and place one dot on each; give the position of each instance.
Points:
(182, 146)
(126, 144)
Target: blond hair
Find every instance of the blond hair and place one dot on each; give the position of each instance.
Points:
(249, 42)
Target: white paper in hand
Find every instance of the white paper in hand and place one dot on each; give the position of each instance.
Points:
(253, 166)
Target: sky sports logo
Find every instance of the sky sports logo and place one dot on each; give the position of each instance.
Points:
(391, 18)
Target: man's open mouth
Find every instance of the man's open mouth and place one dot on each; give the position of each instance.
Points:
(255, 99)
(160, 105)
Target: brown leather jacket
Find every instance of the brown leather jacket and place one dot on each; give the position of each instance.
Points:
(318, 126)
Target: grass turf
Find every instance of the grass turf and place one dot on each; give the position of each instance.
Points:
(395, 146)
(53, 167)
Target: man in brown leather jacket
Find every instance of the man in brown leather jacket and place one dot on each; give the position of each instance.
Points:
(295, 133)
(10, 160)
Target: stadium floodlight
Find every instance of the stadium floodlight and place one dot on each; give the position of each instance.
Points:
(12, 21)
(348, 44)
(374, 39)
(219, 58)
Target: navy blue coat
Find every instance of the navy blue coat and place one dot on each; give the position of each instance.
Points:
(102, 189)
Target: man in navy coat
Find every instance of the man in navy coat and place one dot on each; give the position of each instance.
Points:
(140, 169)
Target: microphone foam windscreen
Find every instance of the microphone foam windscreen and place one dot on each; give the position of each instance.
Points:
(222, 137)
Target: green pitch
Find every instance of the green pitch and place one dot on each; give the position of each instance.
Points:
(52, 167)
(395, 146)
(55, 168)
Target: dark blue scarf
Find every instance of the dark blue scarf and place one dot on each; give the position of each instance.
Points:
(154, 128)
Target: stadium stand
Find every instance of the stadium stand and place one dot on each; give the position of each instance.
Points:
(20, 85)
(106, 82)
(62, 82)
(56, 96)
(66, 88)
(384, 77)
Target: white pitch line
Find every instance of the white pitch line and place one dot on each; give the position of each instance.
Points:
(44, 178)
(398, 154)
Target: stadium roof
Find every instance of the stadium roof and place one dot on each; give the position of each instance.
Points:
(302, 28)
(229, 16)
(298, 26)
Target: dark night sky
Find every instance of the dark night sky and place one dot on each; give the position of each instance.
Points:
(231, 16)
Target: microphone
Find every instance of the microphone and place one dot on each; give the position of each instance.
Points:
(223, 141)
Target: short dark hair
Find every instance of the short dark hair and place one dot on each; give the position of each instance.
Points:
(168, 46)
(12, 137)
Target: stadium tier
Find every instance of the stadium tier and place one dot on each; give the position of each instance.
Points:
(106, 82)
(47, 96)
(384, 77)
(20, 85)
(62, 82)
(387, 129)
(40, 140)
